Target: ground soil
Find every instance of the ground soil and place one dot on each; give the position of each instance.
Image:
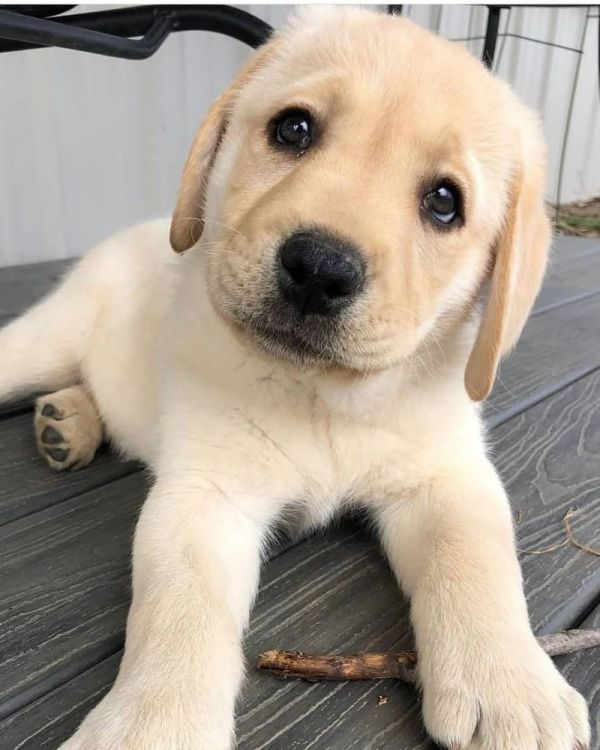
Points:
(580, 219)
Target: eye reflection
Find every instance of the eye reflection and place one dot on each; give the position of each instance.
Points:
(443, 203)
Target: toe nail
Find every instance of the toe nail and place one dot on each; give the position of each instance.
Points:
(51, 436)
(49, 410)
(58, 454)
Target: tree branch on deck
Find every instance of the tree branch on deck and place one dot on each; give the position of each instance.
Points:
(570, 539)
(399, 665)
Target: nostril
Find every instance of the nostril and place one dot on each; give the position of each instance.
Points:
(293, 264)
(337, 289)
(297, 273)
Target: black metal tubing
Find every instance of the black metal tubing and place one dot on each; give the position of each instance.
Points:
(108, 32)
(43, 32)
(41, 11)
(491, 35)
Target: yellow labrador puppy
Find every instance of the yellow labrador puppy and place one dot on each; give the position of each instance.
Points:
(321, 344)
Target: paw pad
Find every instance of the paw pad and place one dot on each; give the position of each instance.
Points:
(58, 454)
(51, 436)
(49, 410)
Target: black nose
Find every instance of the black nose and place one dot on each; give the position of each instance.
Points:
(319, 273)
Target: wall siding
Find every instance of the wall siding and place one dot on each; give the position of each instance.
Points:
(90, 144)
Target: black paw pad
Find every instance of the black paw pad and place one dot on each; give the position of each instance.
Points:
(58, 454)
(51, 436)
(49, 410)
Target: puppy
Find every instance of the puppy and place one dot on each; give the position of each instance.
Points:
(346, 204)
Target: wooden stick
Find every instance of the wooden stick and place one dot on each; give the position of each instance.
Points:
(399, 665)
(297, 665)
(569, 641)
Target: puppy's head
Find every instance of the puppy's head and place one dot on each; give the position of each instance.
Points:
(356, 186)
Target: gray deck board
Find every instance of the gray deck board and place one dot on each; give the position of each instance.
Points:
(49, 720)
(567, 249)
(555, 349)
(65, 588)
(569, 279)
(66, 539)
(27, 486)
(549, 459)
(21, 286)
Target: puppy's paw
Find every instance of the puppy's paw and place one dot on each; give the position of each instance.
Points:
(513, 698)
(68, 430)
(129, 720)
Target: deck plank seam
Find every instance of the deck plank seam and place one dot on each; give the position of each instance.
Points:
(13, 703)
(493, 421)
(562, 303)
(101, 484)
(579, 621)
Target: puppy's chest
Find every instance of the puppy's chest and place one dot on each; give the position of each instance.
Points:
(344, 442)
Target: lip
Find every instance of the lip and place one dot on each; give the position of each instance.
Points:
(316, 345)
(290, 340)
(311, 346)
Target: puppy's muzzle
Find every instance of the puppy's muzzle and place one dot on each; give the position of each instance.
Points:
(318, 273)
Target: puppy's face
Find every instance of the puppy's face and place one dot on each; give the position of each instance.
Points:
(362, 177)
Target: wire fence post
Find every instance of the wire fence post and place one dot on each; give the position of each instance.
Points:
(565, 140)
(491, 35)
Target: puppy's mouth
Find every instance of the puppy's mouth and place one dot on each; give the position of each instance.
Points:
(306, 341)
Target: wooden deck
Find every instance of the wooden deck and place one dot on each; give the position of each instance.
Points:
(65, 544)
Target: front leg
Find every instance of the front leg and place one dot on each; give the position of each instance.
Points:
(195, 573)
(486, 683)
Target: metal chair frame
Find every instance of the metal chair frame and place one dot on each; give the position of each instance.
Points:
(110, 32)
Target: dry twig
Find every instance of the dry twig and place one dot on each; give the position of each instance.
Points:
(400, 665)
(569, 540)
(567, 522)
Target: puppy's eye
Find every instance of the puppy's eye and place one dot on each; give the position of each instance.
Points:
(443, 203)
(293, 129)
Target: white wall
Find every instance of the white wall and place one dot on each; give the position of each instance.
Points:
(89, 144)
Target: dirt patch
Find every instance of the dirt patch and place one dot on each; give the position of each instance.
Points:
(580, 219)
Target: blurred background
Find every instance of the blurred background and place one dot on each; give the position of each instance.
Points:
(89, 144)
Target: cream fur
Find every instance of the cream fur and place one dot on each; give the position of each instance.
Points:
(236, 437)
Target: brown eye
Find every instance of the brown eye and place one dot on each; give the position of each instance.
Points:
(443, 203)
(293, 129)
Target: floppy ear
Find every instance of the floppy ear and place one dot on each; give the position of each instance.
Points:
(521, 253)
(187, 223)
